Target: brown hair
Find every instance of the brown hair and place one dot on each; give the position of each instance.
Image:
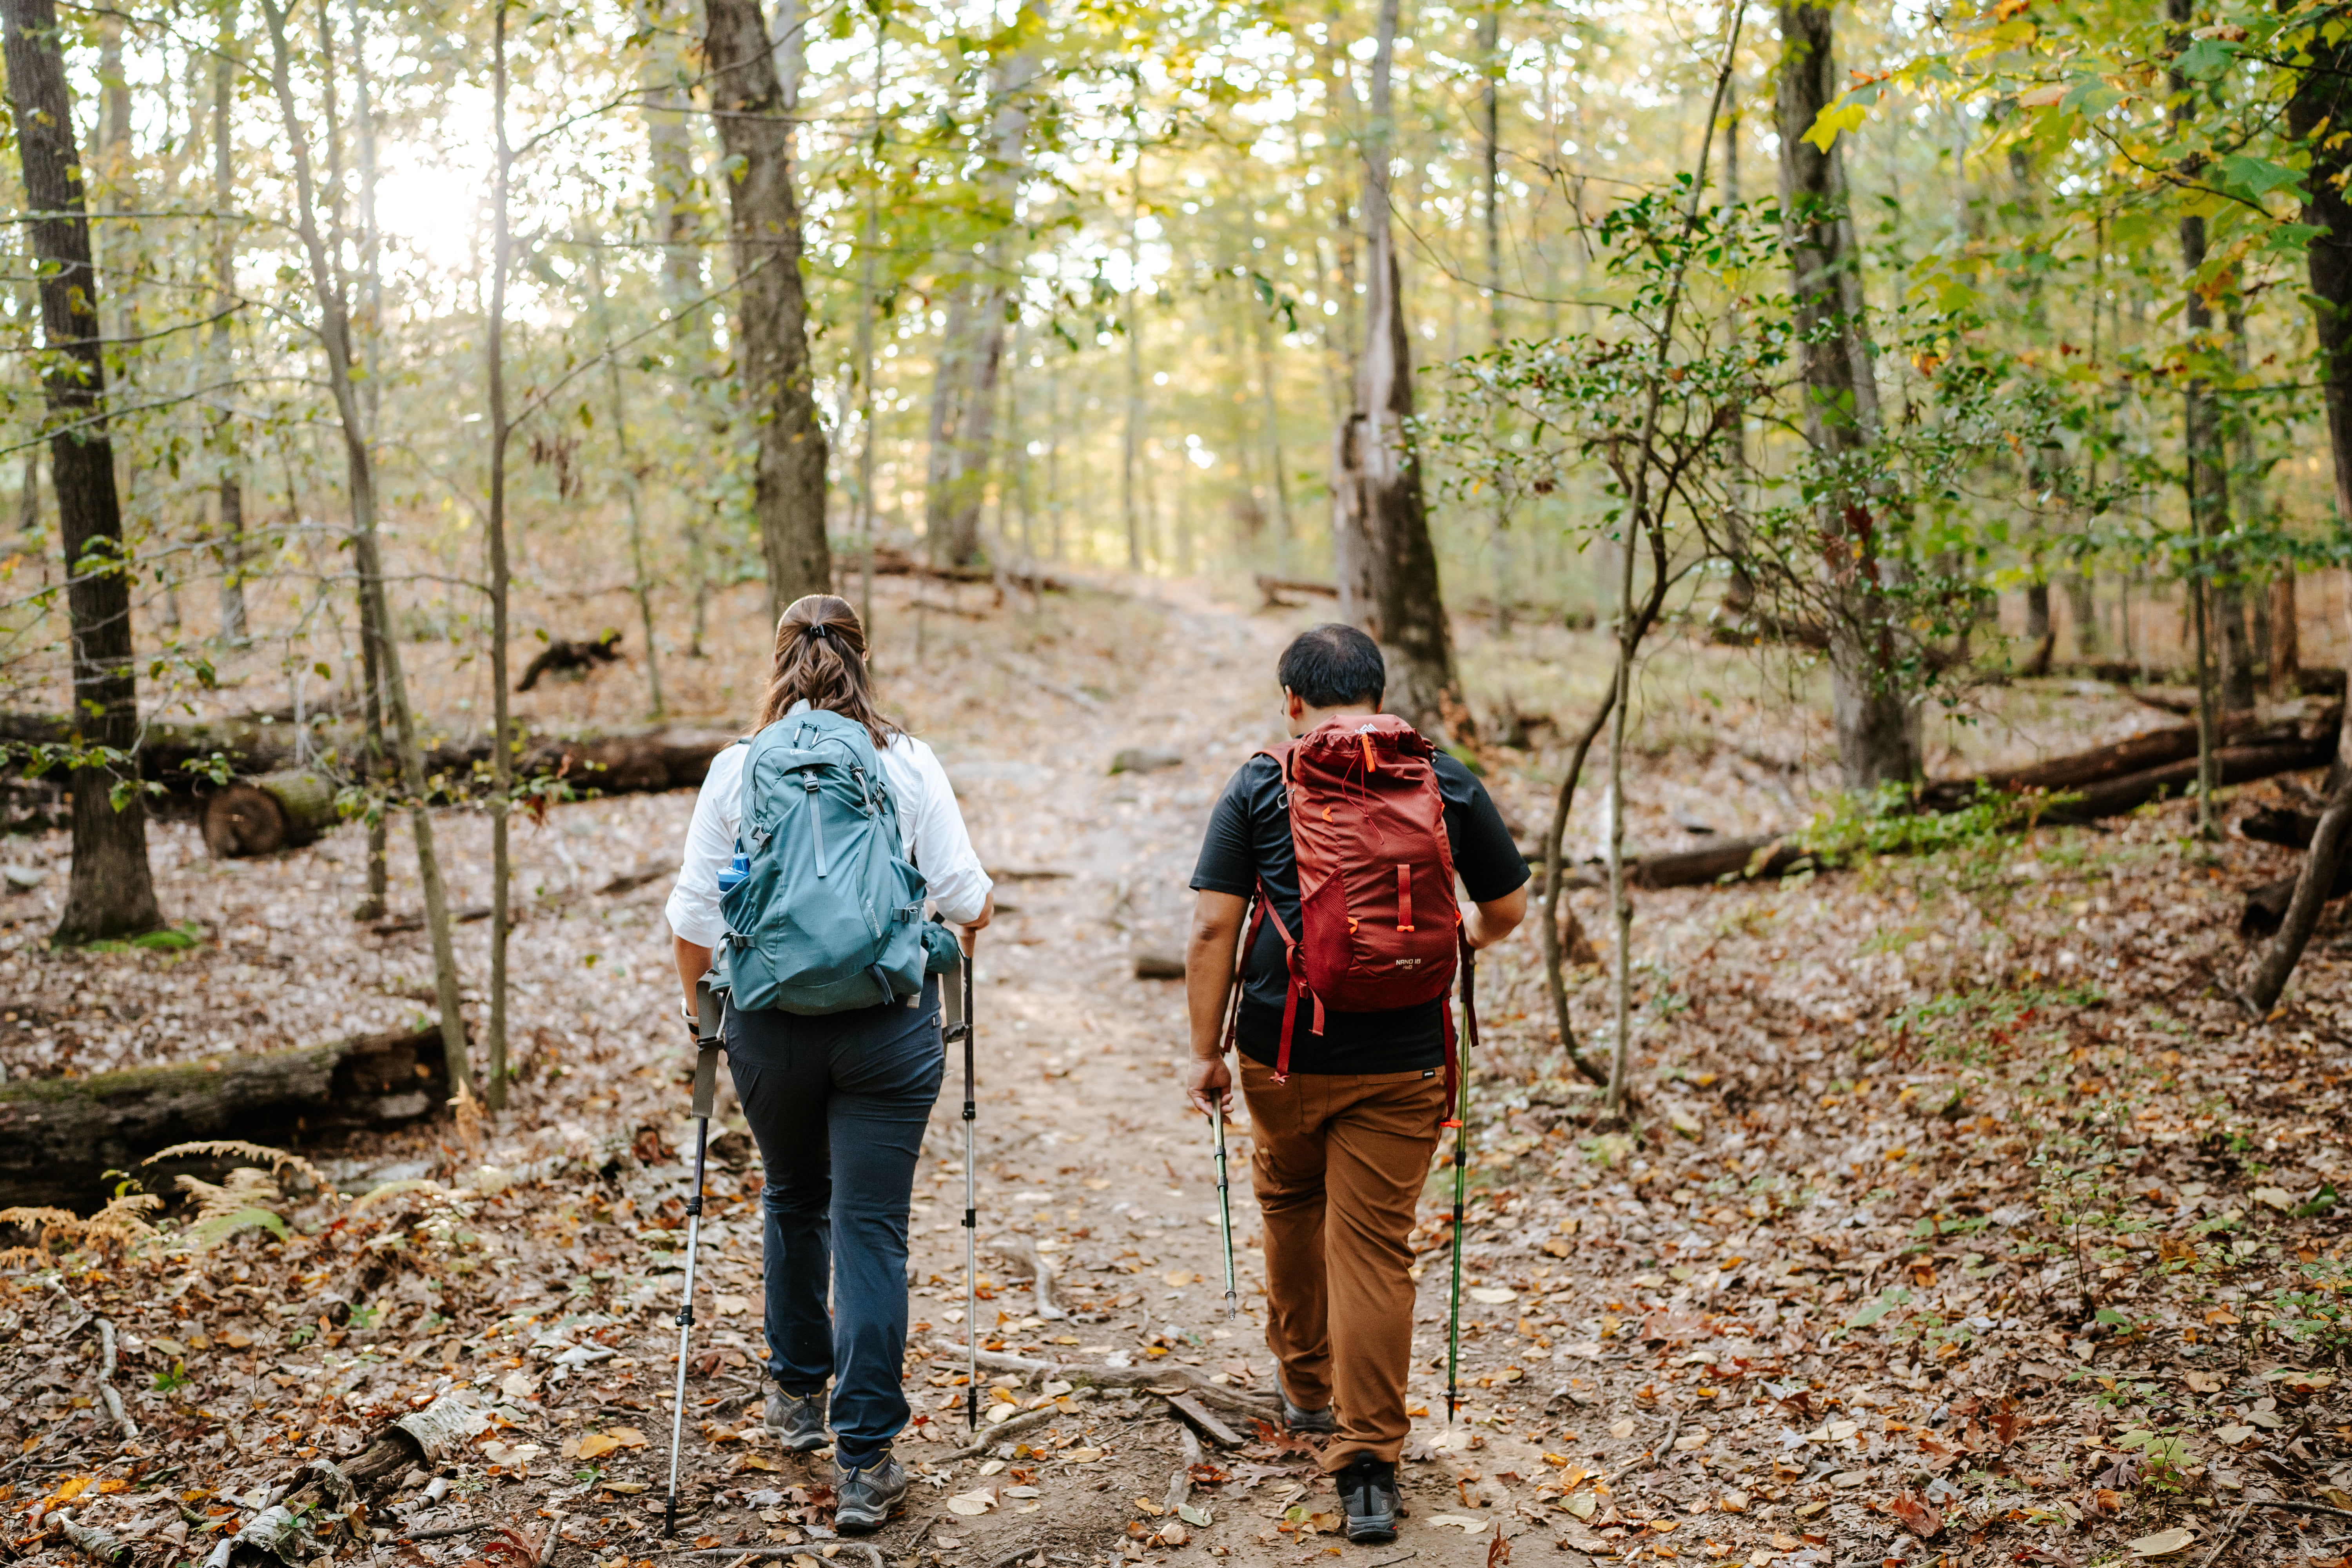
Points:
(821, 658)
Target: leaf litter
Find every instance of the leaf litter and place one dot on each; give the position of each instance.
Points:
(1962, 1217)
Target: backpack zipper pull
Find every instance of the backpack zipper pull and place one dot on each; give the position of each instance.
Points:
(1371, 764)
(816, 821)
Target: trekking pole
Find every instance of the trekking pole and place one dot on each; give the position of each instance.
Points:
(706, 1009)
(1225, 1209)
(961, 1027)
(1461, 1179)
(1217, 1114)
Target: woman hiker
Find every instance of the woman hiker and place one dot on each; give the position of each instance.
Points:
(837, 1101)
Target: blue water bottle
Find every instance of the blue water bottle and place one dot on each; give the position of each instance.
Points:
(732, 878)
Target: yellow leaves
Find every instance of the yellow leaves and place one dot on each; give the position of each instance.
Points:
(596, 1445)
(1842, 115)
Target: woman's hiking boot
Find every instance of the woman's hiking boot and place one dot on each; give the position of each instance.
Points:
(798, 1420)
(1367, 1497)
(864, 1497)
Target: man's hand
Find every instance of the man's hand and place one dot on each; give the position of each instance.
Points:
(1209, 1085)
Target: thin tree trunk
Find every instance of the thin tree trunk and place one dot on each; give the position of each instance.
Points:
(494, 1088)
(1878, 727)
(632, 479)
(335, 337)
(1132, 443)
(375, 754)
(2208, 481)
(971, 358)
(1490, 45)
(230, 528)
(868, 249)
(110, 891)
(772, 310)
(1389, 585)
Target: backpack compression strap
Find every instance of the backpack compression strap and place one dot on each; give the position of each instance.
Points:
(1292, 992)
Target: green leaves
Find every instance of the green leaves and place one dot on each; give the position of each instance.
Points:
(2251, 179)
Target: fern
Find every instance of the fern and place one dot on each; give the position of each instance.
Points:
(276, 1159)
(241, 1202)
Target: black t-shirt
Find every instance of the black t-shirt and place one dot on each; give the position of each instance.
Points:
(1248, 841)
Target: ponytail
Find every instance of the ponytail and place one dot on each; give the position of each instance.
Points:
(820, 659)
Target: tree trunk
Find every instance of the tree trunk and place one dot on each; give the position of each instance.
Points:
(359, 463)
(971, 356)
(1877, 727)
(1389, 580)
(772, 313)
(1132, 443)
(2286, 637)
(2315, 115)
(494, 1087)
(110, 892)
(2083, 611)
(230, 525)
(964, 420)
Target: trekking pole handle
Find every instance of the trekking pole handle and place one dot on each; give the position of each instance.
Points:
(709, 1006)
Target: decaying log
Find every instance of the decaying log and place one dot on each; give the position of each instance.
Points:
(2231, 765)
(58, 1137)
(262, 816)
(564, 653)
(2154, 748)
(2265, 906)
(1274, 588)
(1762, 855)
(890, 562)
(254, 748)
(2270, 825)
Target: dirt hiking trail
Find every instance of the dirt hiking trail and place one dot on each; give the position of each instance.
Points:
(1839, 1296)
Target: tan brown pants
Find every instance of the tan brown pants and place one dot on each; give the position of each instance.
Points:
(1338, 1162)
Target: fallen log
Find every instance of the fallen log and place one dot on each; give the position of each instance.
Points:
(60, 1136)
(2134, 754)
(263, 816)
(2231, 765)
(2270, 825)
(1274, 588)
(1761, 855)
(564, 653)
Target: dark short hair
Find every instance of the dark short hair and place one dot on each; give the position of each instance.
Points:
(1334, 666)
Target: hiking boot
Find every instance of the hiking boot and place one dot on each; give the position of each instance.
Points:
(1297, 1420)
(864, 1497)
(798, 1420)
(1368, 1496)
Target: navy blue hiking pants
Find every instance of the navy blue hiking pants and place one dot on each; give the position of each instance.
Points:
(838, 1105)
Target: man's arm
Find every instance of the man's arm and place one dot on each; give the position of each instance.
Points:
(1208, 984)
(1483, 925)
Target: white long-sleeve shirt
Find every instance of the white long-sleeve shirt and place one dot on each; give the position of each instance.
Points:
(930, 830)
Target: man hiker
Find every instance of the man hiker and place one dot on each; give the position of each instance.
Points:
(1346, 1090)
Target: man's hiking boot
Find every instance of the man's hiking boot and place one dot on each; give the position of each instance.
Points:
(1368, 1496)
(1297, 1420)
(798, 1420)
(864, 1497)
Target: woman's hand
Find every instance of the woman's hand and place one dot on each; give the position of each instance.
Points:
(968, 931)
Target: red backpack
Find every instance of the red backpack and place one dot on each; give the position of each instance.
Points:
(1379, 927)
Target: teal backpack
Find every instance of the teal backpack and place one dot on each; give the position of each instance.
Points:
(823, 913)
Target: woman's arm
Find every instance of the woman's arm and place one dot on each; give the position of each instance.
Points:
(695, 920)
(942, 848)
(693, 964)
